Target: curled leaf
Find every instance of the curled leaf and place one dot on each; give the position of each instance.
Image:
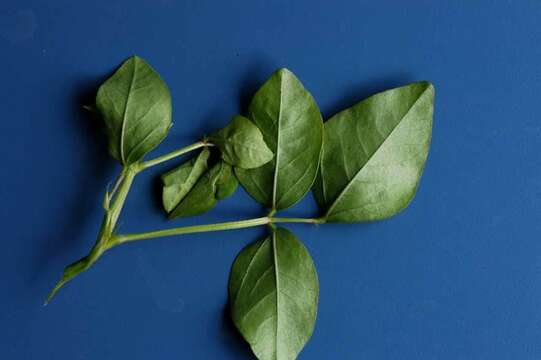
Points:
(136, 106)
(217, 183)
(273, 290)
(178, 182)
(291, 124)
(374, 154)
(241, 144)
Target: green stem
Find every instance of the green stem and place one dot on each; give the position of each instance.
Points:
(230, 225)
(119, 239)
(118, 181)
(174, 154)
(128, 174)
(297, 220)
(103, 241)
(114, 202)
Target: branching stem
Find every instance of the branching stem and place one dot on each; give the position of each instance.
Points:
(174, 154)
(230, 225)
(114, 202)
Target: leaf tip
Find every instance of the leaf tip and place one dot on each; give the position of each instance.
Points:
(431, 87)
(135, 57)
(284, 72)
(53, 293)
(428, 85)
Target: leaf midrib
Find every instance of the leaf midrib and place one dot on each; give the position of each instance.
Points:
(276, 275)
(124, 119)
(346, 188)
(277, 165)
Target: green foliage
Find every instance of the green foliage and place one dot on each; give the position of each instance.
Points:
(273, 290)
(366, 162)
(178, 182)
(291, 125)
(241, 144)
(216, 184)
(136, 107)
(374, 154)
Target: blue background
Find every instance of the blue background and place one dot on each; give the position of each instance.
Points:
(455, 276)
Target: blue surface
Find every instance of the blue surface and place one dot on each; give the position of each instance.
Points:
(455, 276)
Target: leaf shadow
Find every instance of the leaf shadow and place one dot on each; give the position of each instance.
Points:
(355, 93)
(157, 186)
(233, 339)
(98, 166)
(251, 81)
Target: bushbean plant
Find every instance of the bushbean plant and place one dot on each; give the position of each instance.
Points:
(363, 164)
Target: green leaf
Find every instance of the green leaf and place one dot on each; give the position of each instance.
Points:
(273, 291)
(136, 106)
(227, 183)
(291, 124)
(216, 184)
(241, 144)
(374, 154)
(178, 182)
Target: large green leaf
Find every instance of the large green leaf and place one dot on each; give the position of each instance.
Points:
(241, 144)
(273, 290)
(136, 106)
(374, 154)
(178, 182)
(291, 124)
(216, 184)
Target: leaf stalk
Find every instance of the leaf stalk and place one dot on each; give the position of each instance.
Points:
(174, 154)
(230, 225)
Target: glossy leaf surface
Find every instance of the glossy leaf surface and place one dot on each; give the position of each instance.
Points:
(374, 154)
(241, 144)
(178, 182)
(273, 291)
(291, 124)
(136, 106)
(217, 183)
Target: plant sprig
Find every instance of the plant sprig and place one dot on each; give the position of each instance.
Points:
(363, 164)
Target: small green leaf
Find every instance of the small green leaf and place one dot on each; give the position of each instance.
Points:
(291, 124)
(241, 144)
(374, 154)
(273, 290)
(217, 183)
(136, 106)
(178, 182)
(226, 184)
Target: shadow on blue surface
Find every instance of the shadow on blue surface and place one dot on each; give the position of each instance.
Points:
(68, 234)
(353, 94)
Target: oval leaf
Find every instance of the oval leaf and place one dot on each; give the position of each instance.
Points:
(216, 184)
(273, 290)
(136, 106)
(291, 124)
(241, 144)
(178, 182)
(374, 154)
